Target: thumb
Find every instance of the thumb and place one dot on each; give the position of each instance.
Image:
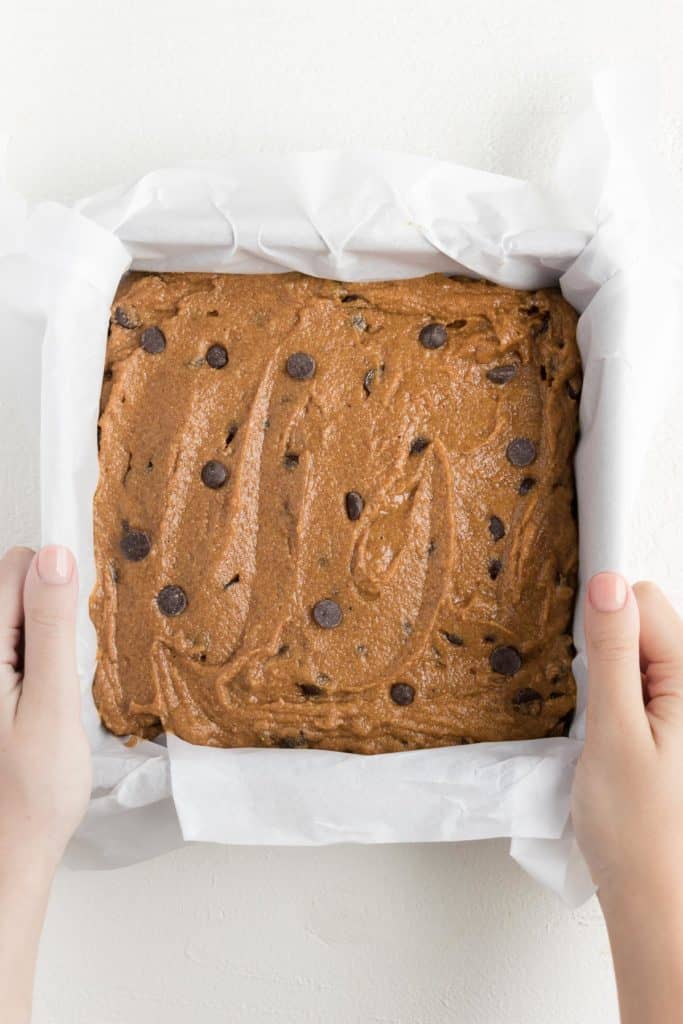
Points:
(615, 692)
(50, 591)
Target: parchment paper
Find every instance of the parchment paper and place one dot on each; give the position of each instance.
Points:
(601, 231)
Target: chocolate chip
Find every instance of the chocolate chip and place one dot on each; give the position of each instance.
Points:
(288, 743)
(300, 366)
(541, 326)
(232, 582)
(495, 568)
(327, 613)
(153, 340)
(124, 319)
(526, 485)
(418, 445)
(291, 460)
(496, 528)
(217, 357)
(232, 433)
(528, 702)
(172, 600)
(532, 310)
(310, 690)
(521, 451)
(354, 505)
(505, 661)
(489, 639)
(574, 387)
(543, 373)
(351, 298)
(433, 336)
(214, 474)
(402, 693)
(135, 545)
(502, 374)
(368, 381)
(453, 638)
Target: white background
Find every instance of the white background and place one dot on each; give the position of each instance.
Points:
(94, 93)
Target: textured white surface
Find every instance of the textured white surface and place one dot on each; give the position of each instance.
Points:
(95, 93)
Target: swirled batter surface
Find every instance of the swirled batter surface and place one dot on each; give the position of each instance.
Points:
(336, 515)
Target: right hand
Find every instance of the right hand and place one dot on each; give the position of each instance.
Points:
(627, 803)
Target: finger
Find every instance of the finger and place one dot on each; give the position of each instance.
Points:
(50, 682)
(13, 569)
(615, 695)
(661, 632)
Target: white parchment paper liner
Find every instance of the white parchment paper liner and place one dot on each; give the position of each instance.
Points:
(601, 231)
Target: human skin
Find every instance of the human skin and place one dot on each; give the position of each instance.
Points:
(44, 754)
(627, 800)
(628, 792)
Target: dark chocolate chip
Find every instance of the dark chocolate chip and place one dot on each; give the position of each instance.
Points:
(506, 661)
(214, 474)
(310, 690)
(541, 326)
(521, 451)
(495, 568)
(496, 528)
(354, 505)
(351, 298)
(327, 613)
(574, 387)
(453, 638)
(528, 702)
(526, 485)
(232, 433)
(300, 366)
(418, 445)
(368, 381)
(543, 373)
(124, 319)
(172, 600)
(532, 310)
(402, 693)
(433, 335)
(153, 340)
(291, 460)
(565, 723)
(489, 639)
(217, 357)
(502, 374)
(135, 545)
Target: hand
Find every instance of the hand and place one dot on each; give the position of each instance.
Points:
(45, 772)
(628, 792)
(44, 753)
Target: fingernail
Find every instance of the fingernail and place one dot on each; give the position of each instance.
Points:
(55, 564)
(607, 591)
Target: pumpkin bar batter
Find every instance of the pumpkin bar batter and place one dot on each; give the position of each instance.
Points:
(336, 515)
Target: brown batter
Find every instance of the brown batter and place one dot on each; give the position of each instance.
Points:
(336, 515)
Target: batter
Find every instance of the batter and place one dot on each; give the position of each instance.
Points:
(336, 515)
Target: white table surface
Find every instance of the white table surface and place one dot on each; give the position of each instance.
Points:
(96, 92)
